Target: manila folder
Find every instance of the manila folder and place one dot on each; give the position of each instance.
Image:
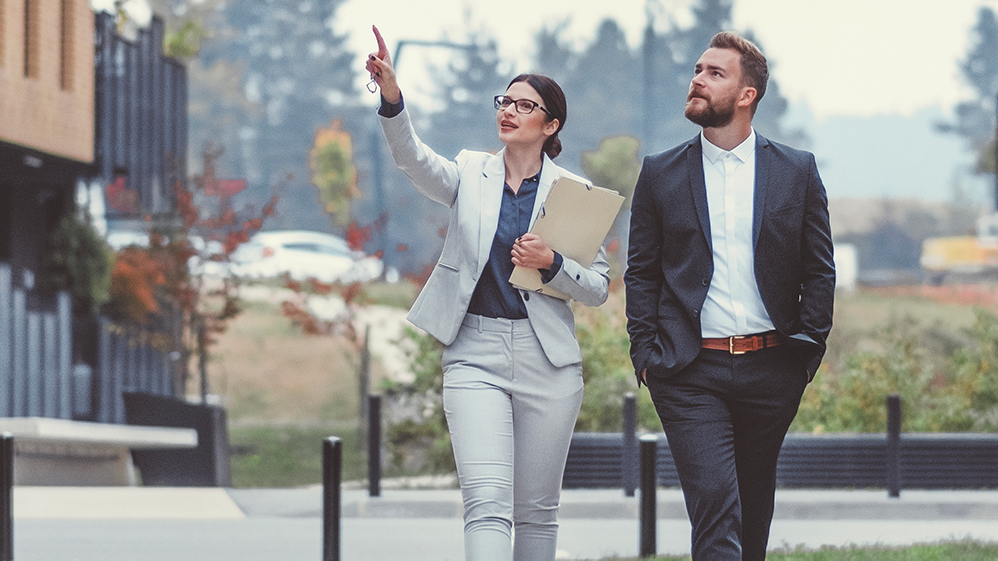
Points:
(573, 221)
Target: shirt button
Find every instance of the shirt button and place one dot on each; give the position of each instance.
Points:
(526, 296)
(577, 277)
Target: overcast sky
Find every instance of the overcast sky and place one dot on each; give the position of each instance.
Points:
(842, 57)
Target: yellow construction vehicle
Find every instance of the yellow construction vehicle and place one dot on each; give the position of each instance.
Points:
(963, 257)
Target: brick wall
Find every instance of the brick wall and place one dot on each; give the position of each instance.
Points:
(50, 110)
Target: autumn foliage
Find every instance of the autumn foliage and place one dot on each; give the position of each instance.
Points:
(135, 278)
(333, 172)
(171, 275)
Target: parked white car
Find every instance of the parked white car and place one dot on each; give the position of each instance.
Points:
(302, 255)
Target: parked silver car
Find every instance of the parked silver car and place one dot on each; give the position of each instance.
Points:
(302, 255)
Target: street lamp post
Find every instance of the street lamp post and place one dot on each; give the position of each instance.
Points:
(377, 153)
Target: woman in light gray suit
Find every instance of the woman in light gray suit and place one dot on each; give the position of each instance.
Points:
(512, 366)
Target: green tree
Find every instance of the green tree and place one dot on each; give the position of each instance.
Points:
(554, 58)
(601, 98)
(615, 166)
(333, 171)
(466, 86)
(285, 71)
(980, 70)
(218, 110)
(768, 119)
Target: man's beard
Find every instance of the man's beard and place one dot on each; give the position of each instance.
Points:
(713, 116)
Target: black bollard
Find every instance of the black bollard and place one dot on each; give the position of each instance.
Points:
(364, 383)
(374, 445)
(649, 458)
(893, 455)
(332, 476)
(6, 497)
(629, 450)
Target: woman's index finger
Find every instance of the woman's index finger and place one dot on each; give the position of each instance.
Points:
(382, 48)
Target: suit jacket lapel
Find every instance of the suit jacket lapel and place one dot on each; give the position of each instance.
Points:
(694, 164)
(762, 163)
(494, 177)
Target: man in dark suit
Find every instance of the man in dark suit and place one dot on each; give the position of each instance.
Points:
(730, 284)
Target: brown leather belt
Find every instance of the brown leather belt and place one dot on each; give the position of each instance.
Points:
(741, 344)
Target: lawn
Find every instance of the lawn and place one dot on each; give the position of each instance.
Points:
(285, 391)
(290, 454)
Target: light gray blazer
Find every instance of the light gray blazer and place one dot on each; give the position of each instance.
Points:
(471, 186)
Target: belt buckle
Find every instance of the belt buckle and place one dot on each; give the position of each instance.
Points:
(731, 345)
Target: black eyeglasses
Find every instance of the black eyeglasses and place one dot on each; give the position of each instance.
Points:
(523, 106)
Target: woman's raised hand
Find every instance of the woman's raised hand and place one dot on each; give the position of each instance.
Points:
(379, 64)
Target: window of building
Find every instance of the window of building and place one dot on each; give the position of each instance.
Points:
(67, 26)
(31, 39)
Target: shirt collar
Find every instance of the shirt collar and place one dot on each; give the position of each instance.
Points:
(528, 182)
(743, 151)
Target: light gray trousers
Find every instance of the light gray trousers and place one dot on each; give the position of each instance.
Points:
(511, 414)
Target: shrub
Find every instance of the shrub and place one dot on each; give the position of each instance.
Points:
(79, 260)
(943, 387)
(608, 374)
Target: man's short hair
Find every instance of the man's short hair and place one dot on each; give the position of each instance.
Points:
(755, 70)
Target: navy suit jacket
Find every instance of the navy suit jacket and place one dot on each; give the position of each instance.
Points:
(670, 261)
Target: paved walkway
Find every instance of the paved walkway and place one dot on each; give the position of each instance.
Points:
(163, 524)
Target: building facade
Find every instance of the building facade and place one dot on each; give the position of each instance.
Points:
(46, 122)
(79, 106)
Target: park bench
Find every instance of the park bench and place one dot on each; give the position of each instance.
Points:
(64, 452)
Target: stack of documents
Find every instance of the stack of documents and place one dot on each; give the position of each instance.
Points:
(574, 222)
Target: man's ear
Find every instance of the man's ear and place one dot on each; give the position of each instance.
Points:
(747, 96)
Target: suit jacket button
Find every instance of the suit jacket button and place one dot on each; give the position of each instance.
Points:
(705, 282)
(696, 313)
(526, 296)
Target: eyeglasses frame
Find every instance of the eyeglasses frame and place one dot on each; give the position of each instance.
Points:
(516, 102)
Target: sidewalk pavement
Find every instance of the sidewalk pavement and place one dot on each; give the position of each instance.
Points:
(169, 524)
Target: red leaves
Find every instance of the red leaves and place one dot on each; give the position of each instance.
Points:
(233, 240)
(135, 277)
(357, 236)
(120, 197)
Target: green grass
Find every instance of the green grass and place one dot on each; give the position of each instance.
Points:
(290, 455)
(399, 295)
(962, 551)
(285, 391)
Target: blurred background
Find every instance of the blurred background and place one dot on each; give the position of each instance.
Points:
(221, 195)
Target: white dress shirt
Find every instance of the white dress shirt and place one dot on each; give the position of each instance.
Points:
(734, 305)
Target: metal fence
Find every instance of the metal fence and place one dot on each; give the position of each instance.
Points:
(130, 359)
(39, 376)
(141, 116)
(926, 461)
(35, 349)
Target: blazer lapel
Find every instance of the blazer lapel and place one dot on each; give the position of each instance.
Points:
(494, 177)
(549, 173)
(694, 164)
(762, 163)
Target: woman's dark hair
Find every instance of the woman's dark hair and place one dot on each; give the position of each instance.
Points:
(554, 102)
